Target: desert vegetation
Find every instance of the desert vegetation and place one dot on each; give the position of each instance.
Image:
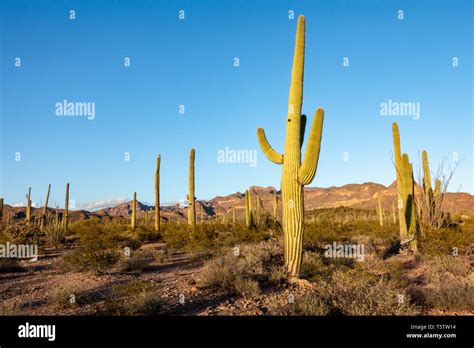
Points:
(262, 252)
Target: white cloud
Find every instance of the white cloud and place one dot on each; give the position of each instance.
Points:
(106, 203)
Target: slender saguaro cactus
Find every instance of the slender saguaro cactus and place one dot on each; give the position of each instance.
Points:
(157, 194)
(380, 212)
(28, 206)
(275, 205)
(1, 210)
(134, 210)
(257, 208)
(427, 188)
(191, 194)
(45, 208)
(398, 170)
(66, 207)
(409, 201)
(247, 209)
(437, 189)
(394, 216)
(295, 175)
(233, 215)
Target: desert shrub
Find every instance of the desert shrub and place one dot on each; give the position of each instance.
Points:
(99, 247)
(306, 305)
(442, 241)
(312, 265)
(350, 293)
(240, 271)
(137, 261)
(23, 233)
(69, 295)
(10, 308)
(133, 298)
(54, 236)
(8, 265)
(449, 283)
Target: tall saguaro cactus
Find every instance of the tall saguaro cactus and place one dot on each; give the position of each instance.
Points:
(66, 208)
(134, 211)
(295, 174)
(248, 222)
(157, 194)
(398, 170)
(45, 208)
(275, 205)
(28, 206)
(191, 194)
(380, 211)
(409, 201)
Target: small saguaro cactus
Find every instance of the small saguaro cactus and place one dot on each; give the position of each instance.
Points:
(28, 206)
(380, 211)
(257, 208)
(157, 194)
(295, 174)
(398, 170)
(233, 215)
(275, 205)
(66, 208)
(45, 208)
(191, 195)
(134, 210)
(247, 209)
(394, 216)
(56, 218)
(409, 201)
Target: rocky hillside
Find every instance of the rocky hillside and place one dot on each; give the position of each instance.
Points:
(352, 195)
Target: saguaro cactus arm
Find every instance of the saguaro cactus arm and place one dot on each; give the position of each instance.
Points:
(271, 154)
(310, 162)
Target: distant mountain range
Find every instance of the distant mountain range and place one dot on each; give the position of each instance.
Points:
(362, 196)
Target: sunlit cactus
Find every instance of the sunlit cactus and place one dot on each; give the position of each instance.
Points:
(409, 201)
(45, 208)
(134, 210)
(398, 171)
(394, 215)
(295, 174)
(248, 216)
(275, 205)
(380, 211)
(66, 208)
(191, 195)
(28, 207)
(157, 194)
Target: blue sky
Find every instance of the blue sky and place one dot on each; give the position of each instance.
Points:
(190, 62)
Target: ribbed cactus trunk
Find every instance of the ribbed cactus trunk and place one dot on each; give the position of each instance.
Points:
(66, 208)
(295, 174)
(275, 205)
(45, 208)
(191, 194)
(398, 170)
(134, 210)
(380, 212)
(28, 207)
(157, 194)
(394, 216)
(258, 212)
(247, 209)
(233, 215)
(409, 201)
